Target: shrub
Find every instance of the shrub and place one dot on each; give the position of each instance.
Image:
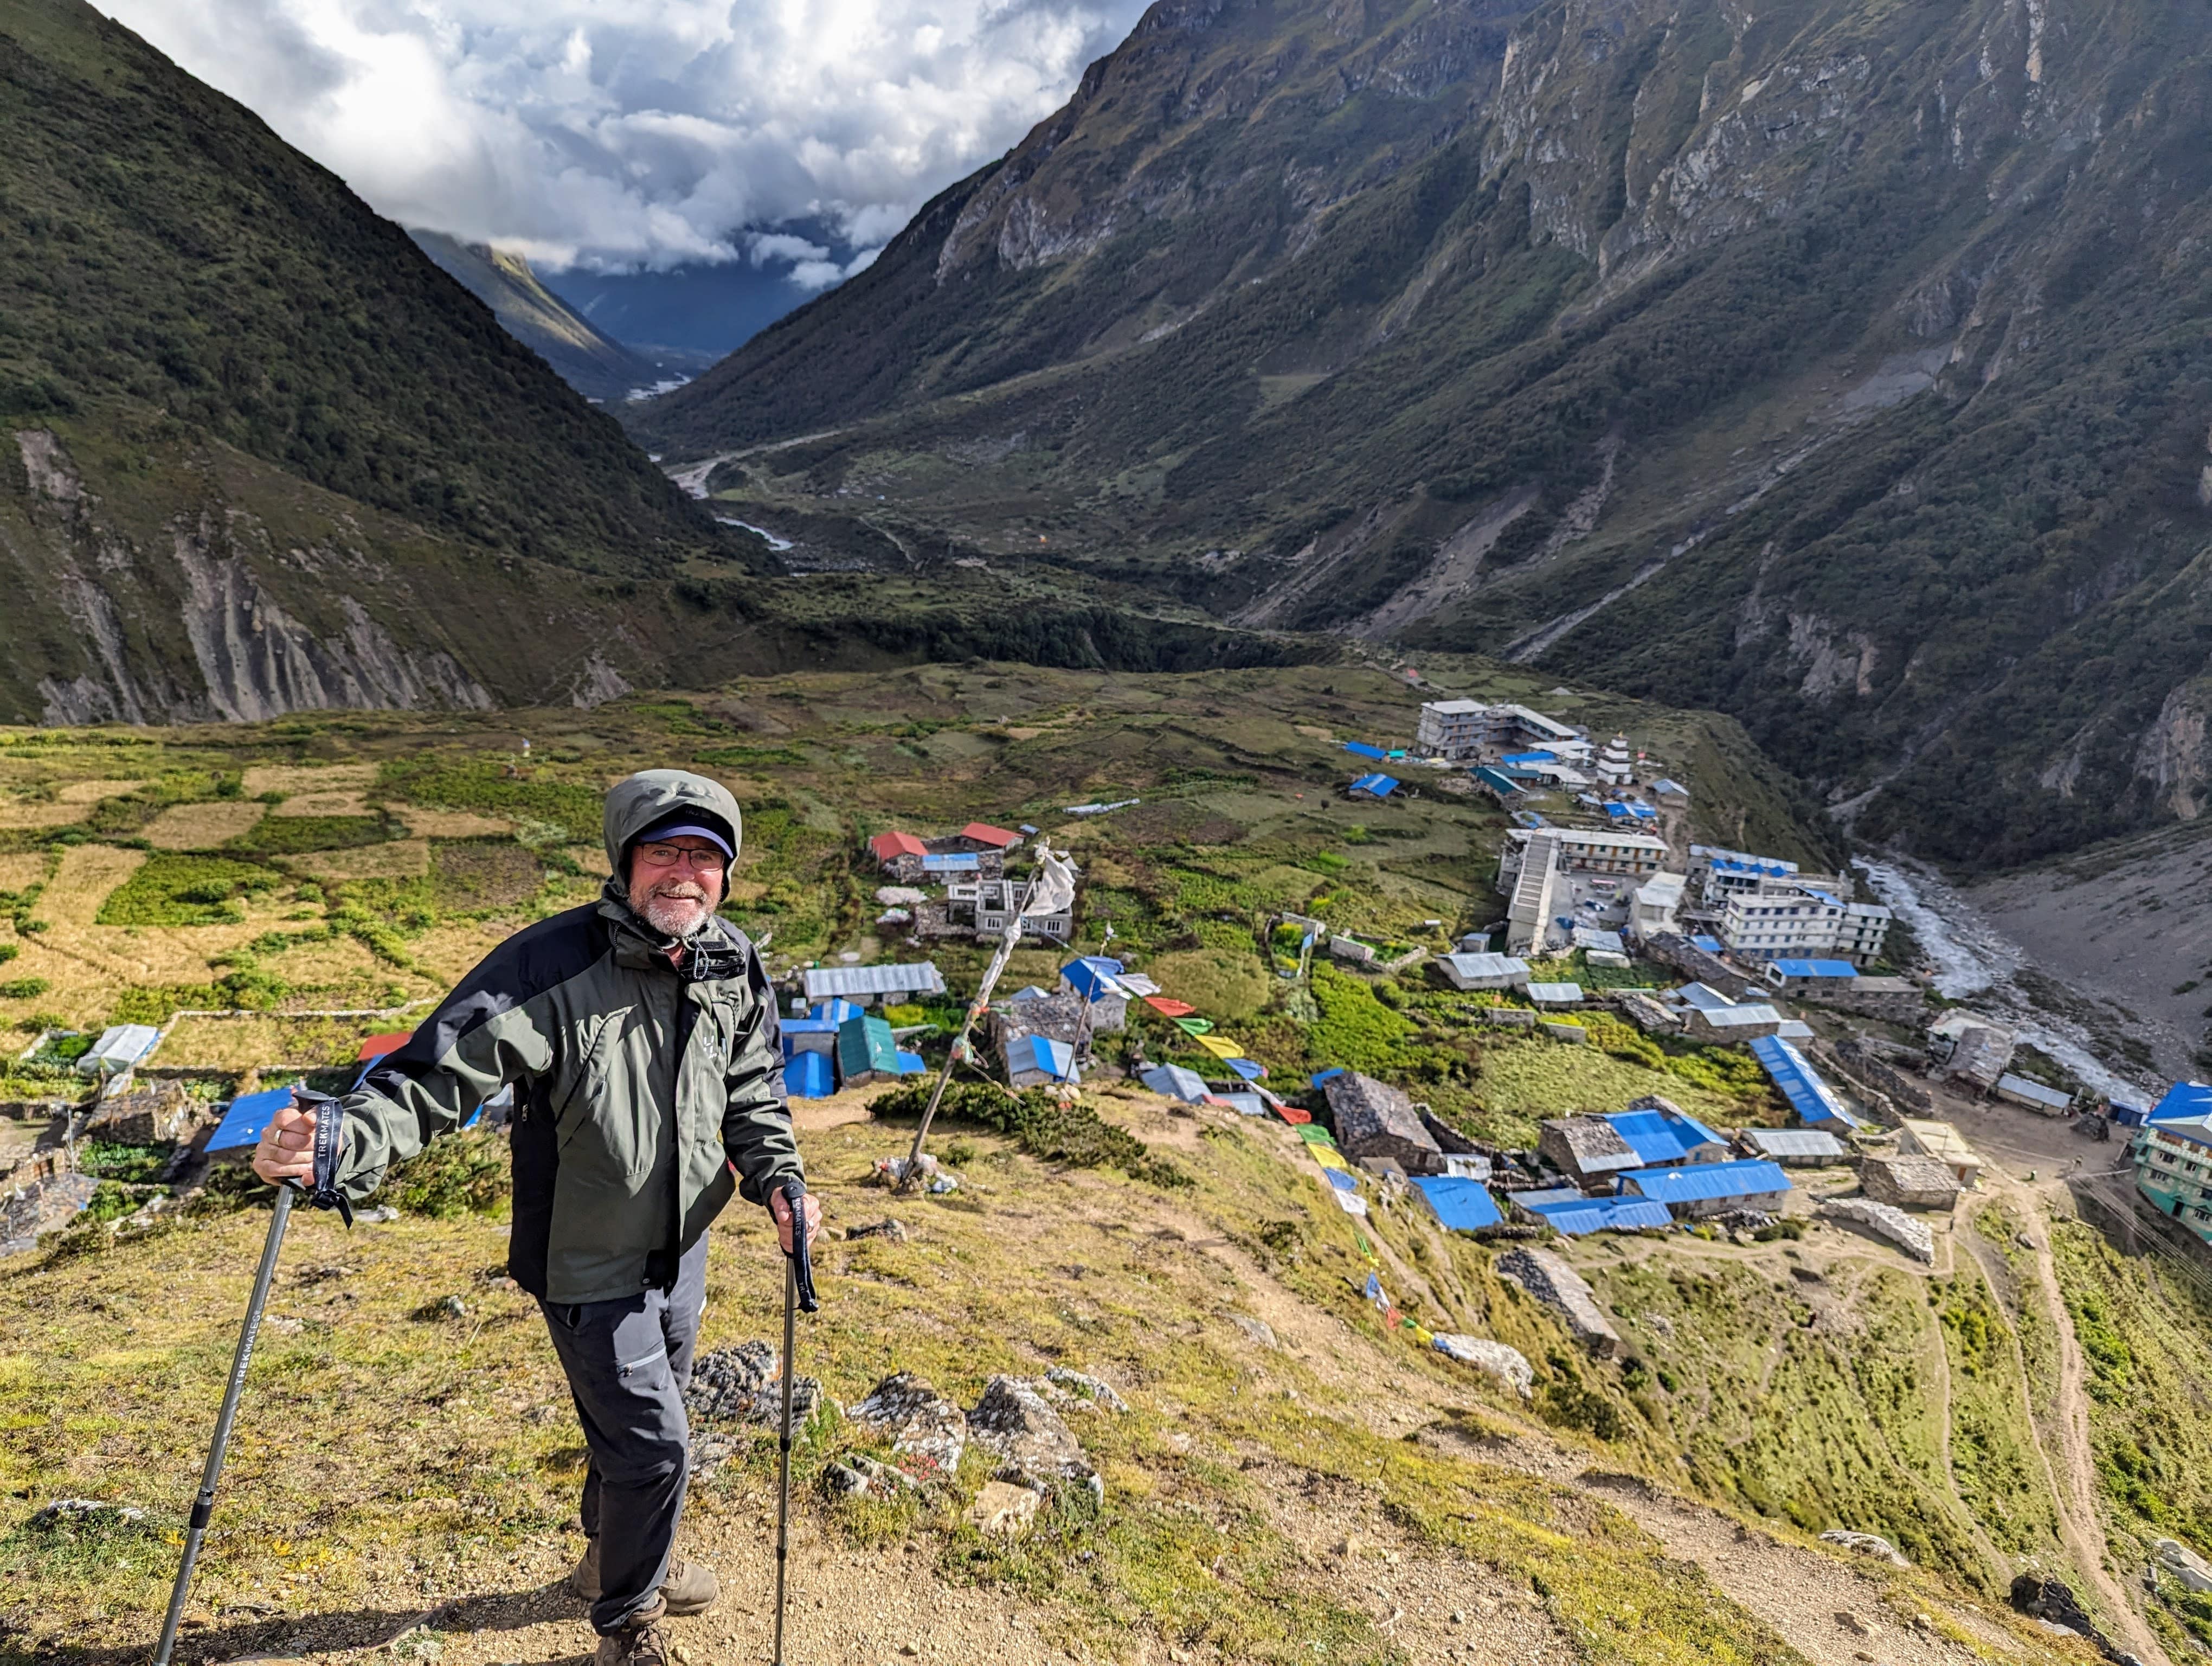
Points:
(23, 988)
(464, 1174)
(1040, 1124)
(498, 789)
(139, 1164)
(178, 890)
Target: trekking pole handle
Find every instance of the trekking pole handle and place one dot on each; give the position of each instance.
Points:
(802, 1259)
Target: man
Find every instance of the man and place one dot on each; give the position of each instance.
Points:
(640, 1034)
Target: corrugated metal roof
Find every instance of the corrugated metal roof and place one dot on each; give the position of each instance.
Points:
(1702, 1181)
(1710, 944)
(1175, 1082)
(1361, 749)
(1816, 969)
(923, 978)
(1704, 997)
(1812, 1098)
(1657, 1138)
(248, 1114)
(1055, 1059)
(809, 1076)
(1733, 1017)
(1486, 966)
(984, 833)
(888, 845)
(2183, 1100)
(1793, 1142)
(1555, 994)
(1378, 786)
(1580, 1216)
(2034, 1091)
(1464, 1206)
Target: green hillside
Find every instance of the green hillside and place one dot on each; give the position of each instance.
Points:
(1843, 366)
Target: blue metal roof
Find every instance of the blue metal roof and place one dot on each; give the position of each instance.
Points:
(1813, 1099)
(1381, 786)
(1642, 811)
(1579, 1217)
(1361, 749)
(1816, 969)
(810, 1076)
(1530, 757)
(1091, 976)
(1702, 1181)
(1618, 813)
(248, 1114)
(1660, 1138)
(2183, 1100)
(1175, 1082)
(1464, 1206)
(1772, 870)
(957, 861)
(1055, 1059)
(1710, 944)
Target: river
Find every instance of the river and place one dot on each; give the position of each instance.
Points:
(1977, 963)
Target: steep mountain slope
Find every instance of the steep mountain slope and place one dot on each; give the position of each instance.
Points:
(1843, 365)
(590, 360)
(259, 454)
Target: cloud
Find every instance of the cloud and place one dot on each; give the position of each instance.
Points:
(626, 133)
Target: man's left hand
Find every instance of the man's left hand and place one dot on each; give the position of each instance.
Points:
(781, 1210)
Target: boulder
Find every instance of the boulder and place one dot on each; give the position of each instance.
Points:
(1034, 1447)
(1885, 1221)
(894, 1230)
(2183, 1562)
(925, 1430)
(1549, 1279)
(1864, 1544)
(1508, 1364)
(745, 1384)
(1003, 1508)
(1094, 1390)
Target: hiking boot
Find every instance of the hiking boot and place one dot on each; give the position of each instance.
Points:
(690, 1587)
(640, 1643)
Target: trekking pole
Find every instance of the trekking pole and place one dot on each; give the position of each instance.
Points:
(328, 1134)
(797, 1297)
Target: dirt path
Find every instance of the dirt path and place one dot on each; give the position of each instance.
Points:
(2076, 1493)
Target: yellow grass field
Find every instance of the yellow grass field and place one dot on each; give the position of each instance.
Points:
(290, 778)
(202, 826)
(337, 801)
(87, 872)
(402, 858)
(22, 869)
(18, 814)
(270, 1040)
(92, 792)
(451, 824)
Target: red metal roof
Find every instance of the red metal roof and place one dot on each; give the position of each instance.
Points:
(376, 1046)
(984, 833)
(888, 845)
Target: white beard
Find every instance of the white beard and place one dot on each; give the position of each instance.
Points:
(679, 917)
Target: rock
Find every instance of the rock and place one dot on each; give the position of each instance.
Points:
(1092, 1388)
(376, 1217)
(1257, 1329)
(2052, 1600)
(1003, 1508)
(1508, 1364)
(45, 1205)
(454, 1306)
(1886, 1220)
(1034, 1447)
(894, 1229)
(1852, 1623)
(144, 1116)
(1864, 1544)
(843, 1480)
(67, 1513)
(1549, 1279)
(2183, 1562)
(923, 1425)
(745, 1384)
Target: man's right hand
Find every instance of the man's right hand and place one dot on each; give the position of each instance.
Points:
(287, 1151)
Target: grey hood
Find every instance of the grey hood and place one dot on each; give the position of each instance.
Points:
(652, 795)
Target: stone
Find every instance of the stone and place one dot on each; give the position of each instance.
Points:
(894, 1229)
(745, 1384)
(2183, 1562)
(1852, 1623)
(1864, 1544)
(1258, 1330)
(1034, 1447)
(144, 1116)
(45, 1205)
(1095, 1389)
(84, 1512)
(925, 1430)
(1003, 1508)
(1884, 1220)
(1508, 1364)
(1549, 1279)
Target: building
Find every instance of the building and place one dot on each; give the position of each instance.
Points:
(1452, 728)
(1375, 1120)
(1556, 995)
(1595, 850)
(866, 1054)
(1940, 1141)
(1671, 794)
(987, 905)
(1981, 1049)
(1809, 978)
(1663, 1136)
(2172, 1154)
(1377, 787)
(1588, 1150)
(1908, 1181)
(1653, 908)
(1715, 873)
(1736, 1021)
(2047, 1101)
(1484, 971)
(1793, 1148)
(980, 839)
(1468, 730)
(1038, 1061)
(1817, 1104)
(1797, 920)
(1711, 1188)
(1532, 895)
(1459, 1205)
(121, 1046)
(911, 860)
(1699, 959)
(1898, 999)
(1579, 1217)
(1615, 766)
(868, 984)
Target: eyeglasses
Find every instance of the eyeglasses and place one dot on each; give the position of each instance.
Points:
(667, 855)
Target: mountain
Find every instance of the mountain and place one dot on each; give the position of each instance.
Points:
(1842, 365)
(708, 309)
(590, 360)
(256, 453)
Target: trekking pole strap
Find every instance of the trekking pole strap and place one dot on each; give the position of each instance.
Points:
(802, 1258)
(330, 1151)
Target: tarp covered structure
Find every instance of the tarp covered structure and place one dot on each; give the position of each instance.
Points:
(1813, 1099)
(1175, 1082)
(1463, 1206)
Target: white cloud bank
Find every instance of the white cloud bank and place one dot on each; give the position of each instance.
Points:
(619, 133)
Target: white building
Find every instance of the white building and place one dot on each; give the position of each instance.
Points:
(1657, 901)
(1532, 895)
(1615, 766)
(1470, 729)
(1596, 849)
(1797, 920)
(1452, 728)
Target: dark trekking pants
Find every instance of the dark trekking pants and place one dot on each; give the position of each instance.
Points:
(628, 1362)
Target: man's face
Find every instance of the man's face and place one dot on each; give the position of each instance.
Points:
(676, 883)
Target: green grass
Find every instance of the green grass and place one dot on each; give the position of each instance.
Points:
(286, 836)
(569, 806)
(170, 889)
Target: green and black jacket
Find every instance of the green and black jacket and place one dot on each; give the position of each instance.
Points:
(639, 1083)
